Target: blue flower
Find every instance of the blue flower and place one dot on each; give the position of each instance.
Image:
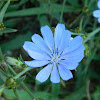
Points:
(59, 53)
(96, 13)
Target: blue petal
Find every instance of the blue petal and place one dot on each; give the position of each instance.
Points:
(65, 40)
(40, 43)
(75, 52)
(96, 13)
(69, 65)
(48, 37)
(38, 56)
(55, 75)
(64, 73)
(29, 45)
(59, 30)
(74, 44)
(35, 52)
(76, 55)
(44, 74)
(98, 4)
(77, 58)
(36, 63)
(99, 20)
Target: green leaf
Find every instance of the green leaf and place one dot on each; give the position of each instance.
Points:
(91, 34)
(3, 76)
(7, 30)
(32, 1)
(41, 10)
(1, 57)
(77, 95)
(9, 94)
(79, 76)
(42, 95)
(11, 22)
(55, 89)
(17, 5)
(74, 2)
(23, 95)
(76, 33)
(19, 80)
(96, 57)
(16, 42)
(96, 94)
(1, 89)
(1, 3)
(2, 13)
(43, 21)
(93, 74)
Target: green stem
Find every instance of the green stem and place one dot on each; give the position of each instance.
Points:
(62, 11)
(76, 33)
(12, 71)
(92, 34)
(86, 1)
(23, 84)
(28, 90)
(16, 94)
(77, 19)
(22, 72)
(81, 22)
(1, 4)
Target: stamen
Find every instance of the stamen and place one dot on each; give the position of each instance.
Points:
(57, 51)
(62, 59)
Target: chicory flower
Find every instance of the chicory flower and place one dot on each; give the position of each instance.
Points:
(96, 13)
(59, 53)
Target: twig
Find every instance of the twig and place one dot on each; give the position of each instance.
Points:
(87, 90)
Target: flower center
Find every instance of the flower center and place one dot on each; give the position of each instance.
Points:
(55, 58)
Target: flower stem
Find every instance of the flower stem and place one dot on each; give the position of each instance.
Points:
(22, 72)
(77, 19)
(81, 22)
(28, 90)
(62, 11)
(23, 84)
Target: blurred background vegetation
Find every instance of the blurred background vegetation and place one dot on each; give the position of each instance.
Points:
(23, 18)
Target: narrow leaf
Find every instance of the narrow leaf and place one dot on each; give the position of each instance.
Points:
(2, 13)
(41, 10)
(91, 34)
(7, 30)
(16, 42)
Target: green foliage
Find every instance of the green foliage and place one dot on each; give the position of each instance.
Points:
(7, 30)
(55, 90)
(1, 57)
(9, 94)
(19, 41)
(42, 95)
(19, 80)
(43, 21)
(41, 10)
(2, 12)
(21, 19)
(79, 94)
(96, 94)
(23, 95)
(91, 34)
(3, 76)
(74, 3)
